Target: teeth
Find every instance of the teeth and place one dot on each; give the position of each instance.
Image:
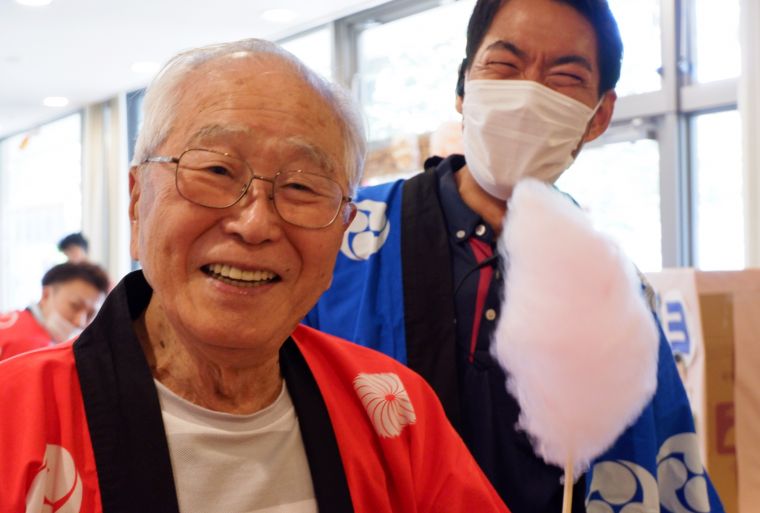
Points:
(234, 273)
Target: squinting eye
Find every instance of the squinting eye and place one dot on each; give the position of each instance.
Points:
(298, 187)
(503, 64)
(218, 170)
(565, 79)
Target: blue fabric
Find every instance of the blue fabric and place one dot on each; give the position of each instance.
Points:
(654, 454)
(653, 466)
(365, 303)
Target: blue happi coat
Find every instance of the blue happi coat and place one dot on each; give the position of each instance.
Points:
(392, 291)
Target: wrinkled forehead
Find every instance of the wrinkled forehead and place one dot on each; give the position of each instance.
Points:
(234, 137)
(255, 98)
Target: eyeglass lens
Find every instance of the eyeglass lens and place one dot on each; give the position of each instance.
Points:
(217, 180)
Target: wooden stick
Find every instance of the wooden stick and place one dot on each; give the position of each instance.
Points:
(567, 497)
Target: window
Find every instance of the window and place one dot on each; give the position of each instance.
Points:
(716, 40)
(135, 101)
(639, 24)
(407, 73)
(618, 185)
(314, 49)
(718, 176)
(40, 202)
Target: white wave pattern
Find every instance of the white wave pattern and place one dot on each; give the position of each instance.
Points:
(679, 474)
(386, 401)
(679, 468)
(57, 487)
(368, 232)
(618, 483)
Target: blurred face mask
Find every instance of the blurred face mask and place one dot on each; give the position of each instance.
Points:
(59, 328)
(516, 129)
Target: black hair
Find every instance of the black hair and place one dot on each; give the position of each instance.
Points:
(73, 239)
(609, 45)
(90, 273)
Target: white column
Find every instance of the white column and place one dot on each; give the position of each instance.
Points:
(749, 107)
(119, 262)
(105, 185)
(93, 186)
(747, 357)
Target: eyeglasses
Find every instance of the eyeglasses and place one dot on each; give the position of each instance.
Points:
(215, 179)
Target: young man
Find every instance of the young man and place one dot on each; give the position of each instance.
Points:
(71, 294)
(418, 277)
(75, 247)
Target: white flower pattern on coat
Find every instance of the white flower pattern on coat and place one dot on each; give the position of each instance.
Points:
(386, 401)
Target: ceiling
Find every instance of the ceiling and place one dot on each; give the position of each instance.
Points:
(84, 49)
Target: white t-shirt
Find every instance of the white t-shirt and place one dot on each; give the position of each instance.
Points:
(229, 463)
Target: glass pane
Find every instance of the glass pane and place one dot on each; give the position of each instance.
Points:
(314, 49)
(639, 23)
(135, 116)
(409, 89)
(618, 184)
(40, 202)
(719, 179)
(716, 41)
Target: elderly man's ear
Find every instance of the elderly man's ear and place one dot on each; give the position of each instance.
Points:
(134, 198)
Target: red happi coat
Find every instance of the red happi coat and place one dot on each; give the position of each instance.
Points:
(20, 333)
(81, 428)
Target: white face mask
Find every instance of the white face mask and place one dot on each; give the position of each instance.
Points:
(59, 328)
(515, 129)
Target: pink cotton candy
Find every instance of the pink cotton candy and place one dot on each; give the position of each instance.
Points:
(575, 334)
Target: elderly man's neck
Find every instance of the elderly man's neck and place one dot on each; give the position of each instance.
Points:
(216, 378)
(491, 209)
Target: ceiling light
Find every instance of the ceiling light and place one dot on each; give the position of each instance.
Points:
(146, 67)
(34, 3)
(55, 101)
(279, 15)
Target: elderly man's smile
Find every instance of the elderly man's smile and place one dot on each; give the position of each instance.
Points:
(240, 277)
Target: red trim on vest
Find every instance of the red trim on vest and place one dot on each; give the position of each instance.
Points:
(481, 250)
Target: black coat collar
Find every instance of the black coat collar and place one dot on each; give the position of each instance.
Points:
(125, 423)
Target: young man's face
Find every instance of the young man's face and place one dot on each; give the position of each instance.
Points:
(75, 300)
(548, 42)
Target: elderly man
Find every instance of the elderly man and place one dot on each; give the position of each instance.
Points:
(195, 389)
(71, 295)
(418, 275)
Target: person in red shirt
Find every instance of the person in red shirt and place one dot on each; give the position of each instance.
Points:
(71, 294)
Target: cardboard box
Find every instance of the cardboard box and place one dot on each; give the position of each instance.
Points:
(712, 320)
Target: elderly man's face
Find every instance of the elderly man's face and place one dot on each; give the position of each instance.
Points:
(259, 110)
(548, 42)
